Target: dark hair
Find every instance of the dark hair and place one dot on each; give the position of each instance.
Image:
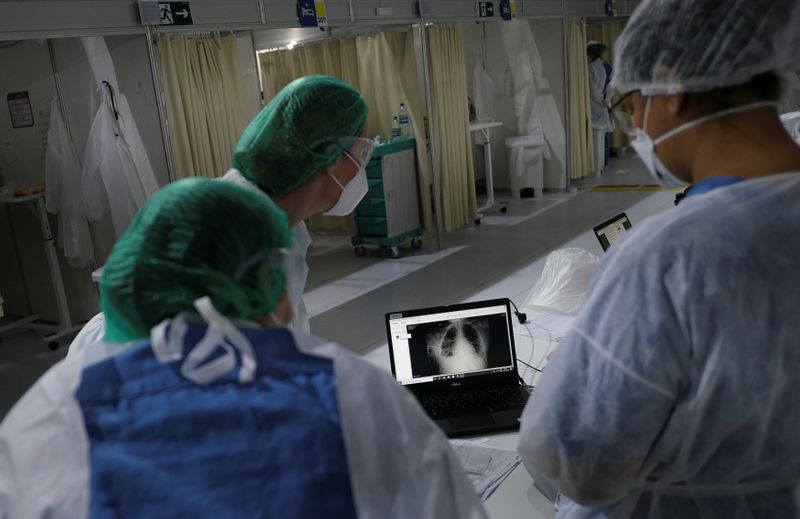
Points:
(766, 86)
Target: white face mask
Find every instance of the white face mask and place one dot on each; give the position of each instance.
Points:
(645, 146)
(352, 193)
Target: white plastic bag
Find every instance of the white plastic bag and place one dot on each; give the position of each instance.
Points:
(564, 281)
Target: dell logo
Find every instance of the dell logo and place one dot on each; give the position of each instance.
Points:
(456, 384)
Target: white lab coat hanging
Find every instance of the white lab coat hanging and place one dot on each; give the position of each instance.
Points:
(64, 196)
(109, 178)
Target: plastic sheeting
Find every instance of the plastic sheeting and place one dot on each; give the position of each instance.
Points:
(537, 113)
(483, 93)
(64, 195)
(564, 282)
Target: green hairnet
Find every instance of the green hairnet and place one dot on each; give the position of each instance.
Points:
(294, 136)
(196, 237)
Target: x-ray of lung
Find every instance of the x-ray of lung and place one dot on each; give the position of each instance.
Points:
(459, 345)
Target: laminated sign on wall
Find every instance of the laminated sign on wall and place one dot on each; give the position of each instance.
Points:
(19, 107)
(508, 9)
(312, 13)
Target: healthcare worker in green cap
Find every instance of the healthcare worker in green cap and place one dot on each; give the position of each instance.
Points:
(306, 152)
(200, 403)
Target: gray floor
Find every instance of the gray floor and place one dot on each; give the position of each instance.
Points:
(493, 252)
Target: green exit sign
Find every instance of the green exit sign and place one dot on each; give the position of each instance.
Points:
(175, 13)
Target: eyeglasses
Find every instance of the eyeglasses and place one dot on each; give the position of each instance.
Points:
(361, 149)
(275, 258)
(622, 112)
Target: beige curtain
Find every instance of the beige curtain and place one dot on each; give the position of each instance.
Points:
(383, 67)
(607, 32)
(581, 148)
(448, 77)
(387, 69)
(205, 110)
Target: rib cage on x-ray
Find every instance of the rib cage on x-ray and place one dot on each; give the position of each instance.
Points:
(461, 346)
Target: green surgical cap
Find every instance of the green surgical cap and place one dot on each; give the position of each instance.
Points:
(294, 136)
(196, 237)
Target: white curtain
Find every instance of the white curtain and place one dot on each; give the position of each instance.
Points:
(448, 77)
(205, 110)
(581, 148)
(383, 67)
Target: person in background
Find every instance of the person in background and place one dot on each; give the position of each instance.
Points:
(201, 403)
(598, 101)
(306, 152)
(675, 393)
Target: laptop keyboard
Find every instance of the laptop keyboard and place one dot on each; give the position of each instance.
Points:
(485, 400)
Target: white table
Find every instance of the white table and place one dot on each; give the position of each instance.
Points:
(65, 326)
(484, 128)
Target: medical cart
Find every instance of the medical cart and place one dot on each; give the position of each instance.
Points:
(389, 213)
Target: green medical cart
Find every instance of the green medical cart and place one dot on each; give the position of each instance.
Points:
(389, 213)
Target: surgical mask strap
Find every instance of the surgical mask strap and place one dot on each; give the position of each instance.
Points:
(347, 154)
(705, 118)
(226, 329)
(275, 320)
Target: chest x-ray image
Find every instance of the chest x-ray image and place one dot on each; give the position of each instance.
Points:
(459, 345)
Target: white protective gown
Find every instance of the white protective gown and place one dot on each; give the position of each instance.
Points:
(400, 463)
(298, 268)
(597, 101)
(64, 195)
(675, 394)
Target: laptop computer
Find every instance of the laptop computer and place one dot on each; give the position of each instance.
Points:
(610, 230)
(460, 363)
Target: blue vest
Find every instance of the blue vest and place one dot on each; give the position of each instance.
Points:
(162, 446)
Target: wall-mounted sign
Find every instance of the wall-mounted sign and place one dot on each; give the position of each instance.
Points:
(19, 107)
(175, 13)
(485, 9)
(508, 9)
(312, 13)
(425, 8)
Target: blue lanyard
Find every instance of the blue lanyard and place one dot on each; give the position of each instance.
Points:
(704, 186)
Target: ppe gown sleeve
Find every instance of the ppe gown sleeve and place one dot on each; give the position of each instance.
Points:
(401, 464)
(611, 385)
(44, 451)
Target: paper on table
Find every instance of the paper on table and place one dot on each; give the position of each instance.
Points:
(486, 467)
(550, 326)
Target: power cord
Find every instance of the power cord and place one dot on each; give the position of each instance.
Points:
(532, 367)
(523, 318)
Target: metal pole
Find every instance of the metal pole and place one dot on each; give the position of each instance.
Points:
(162, 117)
(258, 70)
(568, 106)
(59, 92)
(431, 131)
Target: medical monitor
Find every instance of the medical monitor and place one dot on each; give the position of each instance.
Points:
(451, 343)
(610, 230)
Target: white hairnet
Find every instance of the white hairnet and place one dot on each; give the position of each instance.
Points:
(672, 46)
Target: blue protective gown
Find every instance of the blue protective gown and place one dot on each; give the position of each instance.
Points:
(675, 394)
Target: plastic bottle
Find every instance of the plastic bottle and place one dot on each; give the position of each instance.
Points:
(405, 122)
(395, 128)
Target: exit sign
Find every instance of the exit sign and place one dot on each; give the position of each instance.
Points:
(485, 9)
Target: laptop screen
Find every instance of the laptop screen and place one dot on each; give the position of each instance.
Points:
(451, 342)
(610, 230)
